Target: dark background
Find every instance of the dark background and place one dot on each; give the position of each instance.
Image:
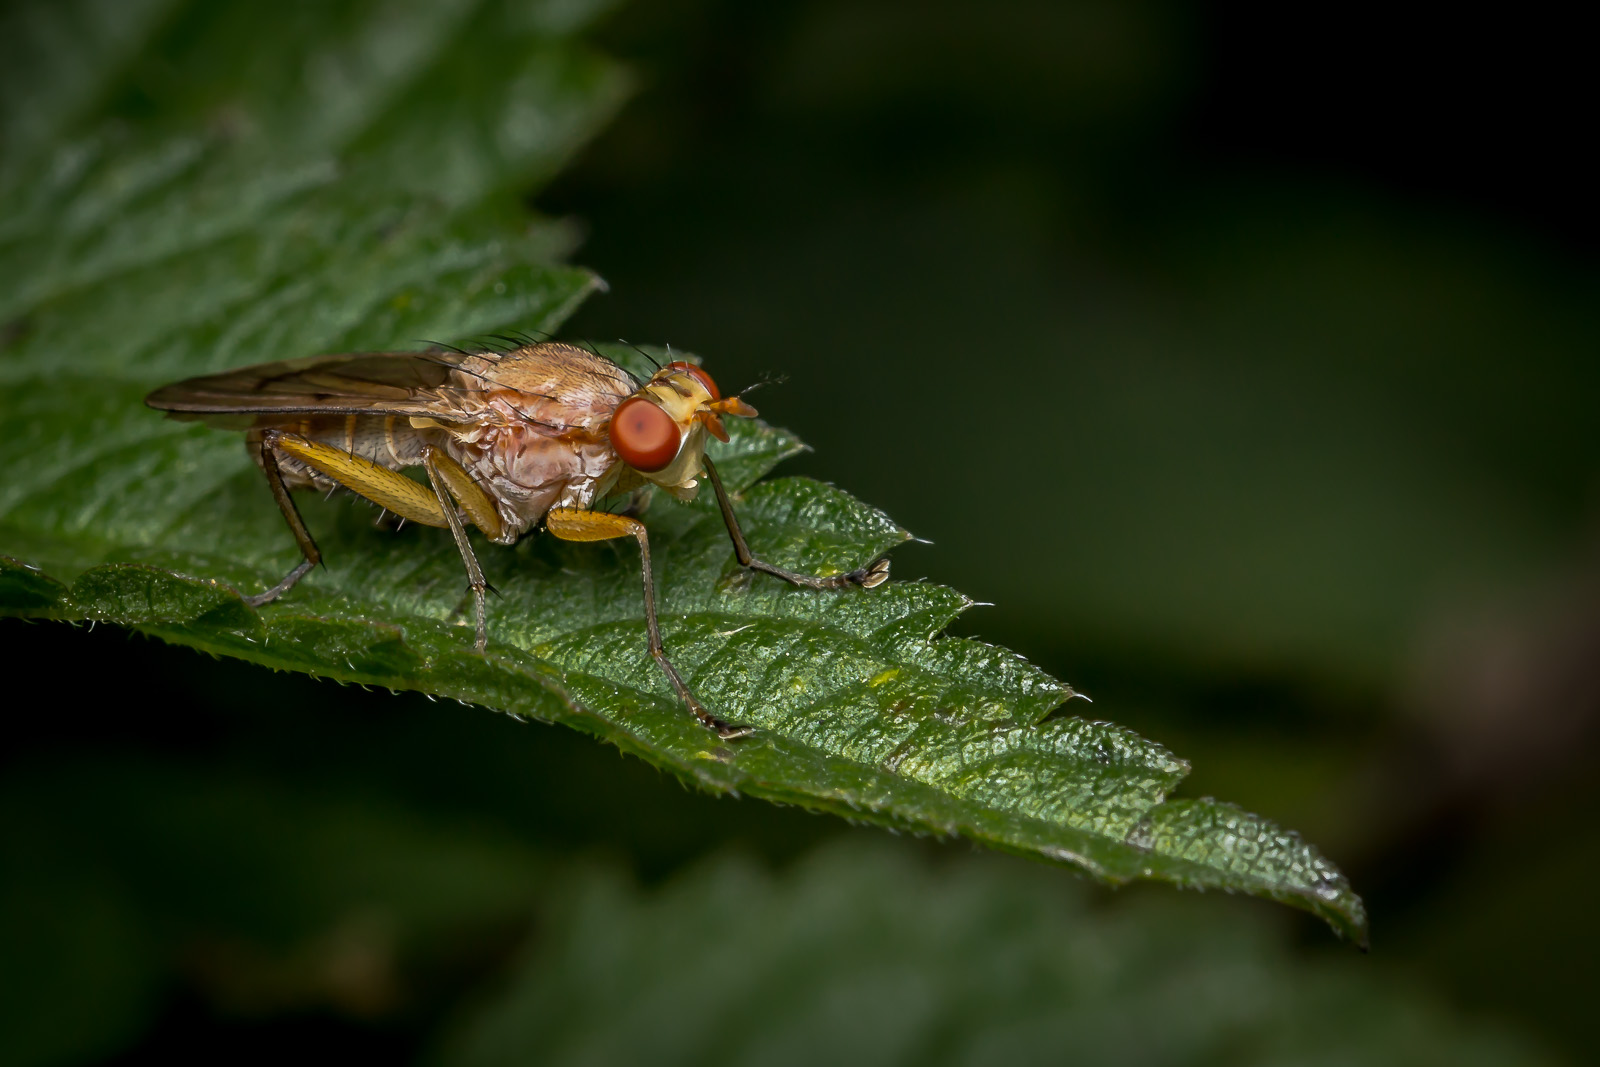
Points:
(1243, 357)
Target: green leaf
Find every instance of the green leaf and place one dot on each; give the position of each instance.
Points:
(253, 189)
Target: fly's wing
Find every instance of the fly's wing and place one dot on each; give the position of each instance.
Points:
(377, 383)
(552, 388)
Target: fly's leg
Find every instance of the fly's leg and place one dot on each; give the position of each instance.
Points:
(448, 476)
(389, 489)
(571, 524)
(871, 576)
(291, 515)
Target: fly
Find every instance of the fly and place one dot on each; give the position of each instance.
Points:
(509, 441)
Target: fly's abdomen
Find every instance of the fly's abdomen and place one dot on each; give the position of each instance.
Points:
(386, 440)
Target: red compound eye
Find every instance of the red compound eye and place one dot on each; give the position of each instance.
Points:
(695, 372)
(644, 436)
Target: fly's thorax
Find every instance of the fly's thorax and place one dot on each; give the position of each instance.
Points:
(526, 468)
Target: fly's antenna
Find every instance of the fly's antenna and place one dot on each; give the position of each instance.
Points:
(766, 379)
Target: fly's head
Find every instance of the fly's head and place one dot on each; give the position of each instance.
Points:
(660, 431)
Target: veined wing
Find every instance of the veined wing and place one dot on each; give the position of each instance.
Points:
(552, 388)
(373, 383)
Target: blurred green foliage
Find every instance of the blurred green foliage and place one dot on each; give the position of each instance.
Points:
(1289, 471)
(865, 954)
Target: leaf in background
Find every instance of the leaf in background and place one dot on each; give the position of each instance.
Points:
(273, 900)
(265, 898)
(863, 955)
(334, 179)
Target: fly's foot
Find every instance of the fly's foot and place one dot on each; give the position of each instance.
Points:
(738, 580)
(481, 617)
(282, 587)
(872, 575)
(725, 730)
(729, 731)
